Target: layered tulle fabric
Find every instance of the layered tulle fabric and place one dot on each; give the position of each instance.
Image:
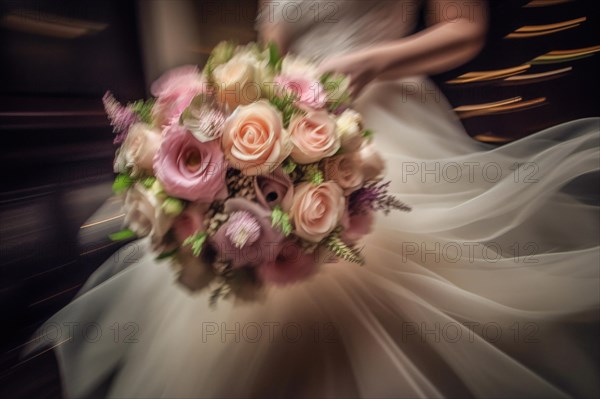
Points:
(489, 288)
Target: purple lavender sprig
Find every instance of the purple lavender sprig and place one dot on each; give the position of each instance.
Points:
(121, 117)
(374, 197)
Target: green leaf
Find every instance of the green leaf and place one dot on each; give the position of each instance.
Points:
(144, 110)
(286, 226)
(274, 56)
(286, 106)
(196, 241)
(147, 182)
(289, 166)
(281, 220)
(167, 254)
(276, 216)
(313, 174)
(368, 134)
(122, 183)
(317, 178)
(172, 206)
(122, 235)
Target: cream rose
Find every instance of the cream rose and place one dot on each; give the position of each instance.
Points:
(349, 130)
(144, 214)
(372, 164)
(238, 81)
(313, 136)
(254, 140)
(137, 152)
(346, 170)
(317, 210)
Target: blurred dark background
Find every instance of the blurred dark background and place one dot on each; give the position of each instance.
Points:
(59, 57)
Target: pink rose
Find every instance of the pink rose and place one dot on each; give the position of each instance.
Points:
(254, 140)
(314, 137)
(308, 92)
(138, 150)
(357, 226)
(317, 210)
(247, 238)
(373, 164)
(190, 221)
(291, 264)
(274, 189)
(345, 170)
(190, 169)
(174, 91)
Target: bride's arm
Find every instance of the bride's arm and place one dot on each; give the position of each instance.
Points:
(270, 29)
(452, 38)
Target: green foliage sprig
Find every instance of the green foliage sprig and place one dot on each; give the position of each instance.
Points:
(143, 108)
(342, 250)
(281, 220)
(196, 241)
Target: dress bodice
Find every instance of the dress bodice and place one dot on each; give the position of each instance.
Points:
(320, 28)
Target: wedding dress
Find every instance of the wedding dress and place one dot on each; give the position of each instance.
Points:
(488, 288)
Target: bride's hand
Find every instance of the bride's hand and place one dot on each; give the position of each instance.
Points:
(360, 67)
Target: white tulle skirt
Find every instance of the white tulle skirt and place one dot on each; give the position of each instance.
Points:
(489, 288)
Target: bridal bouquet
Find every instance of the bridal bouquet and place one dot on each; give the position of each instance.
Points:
(253, 171)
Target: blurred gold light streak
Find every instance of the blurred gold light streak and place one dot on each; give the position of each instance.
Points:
(49, 25)
(54, 295)
(536, 34)
(558, 56)
(49, 270)
(28, 342)
(36, 355)
(545, 3)
(538, 28)
(503, 108)
(476, 107)
(532, 76)
(488, 75)
(85, 226)
(98, 249)
(492, 139)
(575, 51)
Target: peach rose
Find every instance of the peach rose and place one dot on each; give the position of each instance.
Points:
(314, 137)
(254, 140)
(317, 210)
(373, 164)
(238, 81)
(346, 171)
(139, 148)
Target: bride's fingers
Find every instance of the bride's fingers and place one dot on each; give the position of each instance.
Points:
(327, 66)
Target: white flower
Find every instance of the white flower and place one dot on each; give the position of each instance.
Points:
(349, 129)
(138, 149)
(145, 216)
(204, 119)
